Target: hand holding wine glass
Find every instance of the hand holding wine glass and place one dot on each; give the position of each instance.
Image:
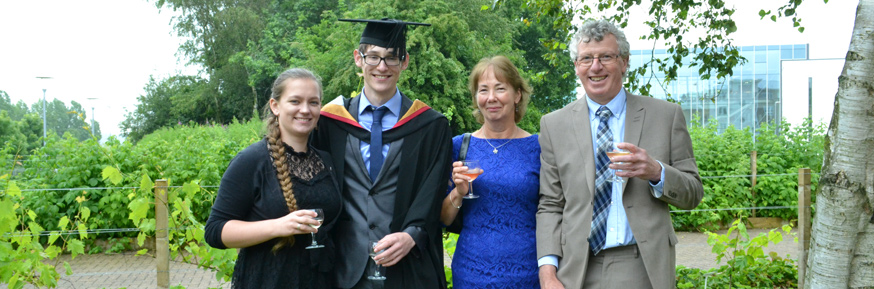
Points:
(373, 253)
(473, 171)
(615, 153)
(320, 217)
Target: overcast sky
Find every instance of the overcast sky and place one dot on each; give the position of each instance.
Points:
(103, 49)
(106, 49)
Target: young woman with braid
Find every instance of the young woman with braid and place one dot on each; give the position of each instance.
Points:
(262, 200)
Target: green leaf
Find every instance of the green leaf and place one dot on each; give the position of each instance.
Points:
(190, 189)
(111, 173)
(52, 251)
(83, 231)
(146, 183)
(75, 247)
(13, 190)
(139, 208)
(67, 269)
(86, 213)
(53, 236)
(142, 252)
(62, 224)
(484, 8)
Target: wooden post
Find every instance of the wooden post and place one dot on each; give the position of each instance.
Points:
(804, 221)
(753, 169)
(162, 244)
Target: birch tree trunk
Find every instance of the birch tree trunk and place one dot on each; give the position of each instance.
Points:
(842, 243)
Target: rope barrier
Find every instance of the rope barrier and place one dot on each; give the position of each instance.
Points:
(89, 231)
(215, 186)
(736, 209)
(125, 230)
(99, 188)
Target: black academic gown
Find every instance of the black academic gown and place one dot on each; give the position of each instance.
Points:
(422, 180)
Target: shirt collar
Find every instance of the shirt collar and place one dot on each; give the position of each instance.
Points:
(393, 104)
(616, 105)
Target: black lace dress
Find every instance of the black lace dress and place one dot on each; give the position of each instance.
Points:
(250, 191)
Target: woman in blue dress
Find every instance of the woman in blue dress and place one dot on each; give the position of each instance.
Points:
(496, 245)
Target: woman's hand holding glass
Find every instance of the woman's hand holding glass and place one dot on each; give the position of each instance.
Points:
(297, 222)
(463, 173)
(319, 218)
(462, 182)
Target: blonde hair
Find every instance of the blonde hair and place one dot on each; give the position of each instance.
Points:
(505, 72)
(274, 141)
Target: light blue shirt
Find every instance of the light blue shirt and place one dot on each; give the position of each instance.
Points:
(618, 230)
(365, 118)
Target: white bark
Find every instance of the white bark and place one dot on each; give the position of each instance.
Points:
(842, 241)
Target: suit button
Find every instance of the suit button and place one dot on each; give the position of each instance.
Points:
(373, 227)
(672, 194)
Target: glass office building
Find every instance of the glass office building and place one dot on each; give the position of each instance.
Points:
(747, 99)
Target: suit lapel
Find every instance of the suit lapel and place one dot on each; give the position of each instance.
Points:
(353, 106)
(354, 143)
(635, 114)
(583, 135)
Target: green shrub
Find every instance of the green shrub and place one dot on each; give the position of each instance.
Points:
(747, 266)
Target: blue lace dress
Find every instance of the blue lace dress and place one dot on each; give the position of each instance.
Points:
(496, 247)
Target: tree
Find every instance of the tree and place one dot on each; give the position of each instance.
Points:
(842, 241)
(307, 34)
(175, 100)
(551, 76)
(62, 119)
(216, 31)
(16, 111)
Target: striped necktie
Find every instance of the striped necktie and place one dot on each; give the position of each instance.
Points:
(603, 189)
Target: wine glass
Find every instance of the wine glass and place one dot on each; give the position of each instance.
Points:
(615, 153)
(473, 171)
(320, 217)
(373, 253)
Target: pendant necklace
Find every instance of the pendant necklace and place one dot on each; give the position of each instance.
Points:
(495, 148)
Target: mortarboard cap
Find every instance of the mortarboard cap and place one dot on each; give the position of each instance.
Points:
(388, 33)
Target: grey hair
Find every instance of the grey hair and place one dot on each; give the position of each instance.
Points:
(597, 30)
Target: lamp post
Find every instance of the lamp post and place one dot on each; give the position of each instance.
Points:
(43, 110)
(92, 99)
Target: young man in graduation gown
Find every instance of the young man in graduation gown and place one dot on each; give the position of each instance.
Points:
(394, 157)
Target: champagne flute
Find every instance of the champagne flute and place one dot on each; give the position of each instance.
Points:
(615, 153)
(373, 253)
(320, 217)
(473, 171)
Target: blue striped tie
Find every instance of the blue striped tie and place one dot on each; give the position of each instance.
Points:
(376, 157)
(603, 189)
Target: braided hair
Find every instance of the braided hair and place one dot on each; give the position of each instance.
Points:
(275, 145)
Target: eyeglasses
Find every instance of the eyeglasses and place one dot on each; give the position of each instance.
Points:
(588, 59)
(374, 60)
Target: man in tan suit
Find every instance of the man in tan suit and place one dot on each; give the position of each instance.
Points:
(593, 232)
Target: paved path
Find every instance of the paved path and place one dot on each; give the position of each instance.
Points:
(129, 271)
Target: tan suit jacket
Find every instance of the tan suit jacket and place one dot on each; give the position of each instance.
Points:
(567, 185)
